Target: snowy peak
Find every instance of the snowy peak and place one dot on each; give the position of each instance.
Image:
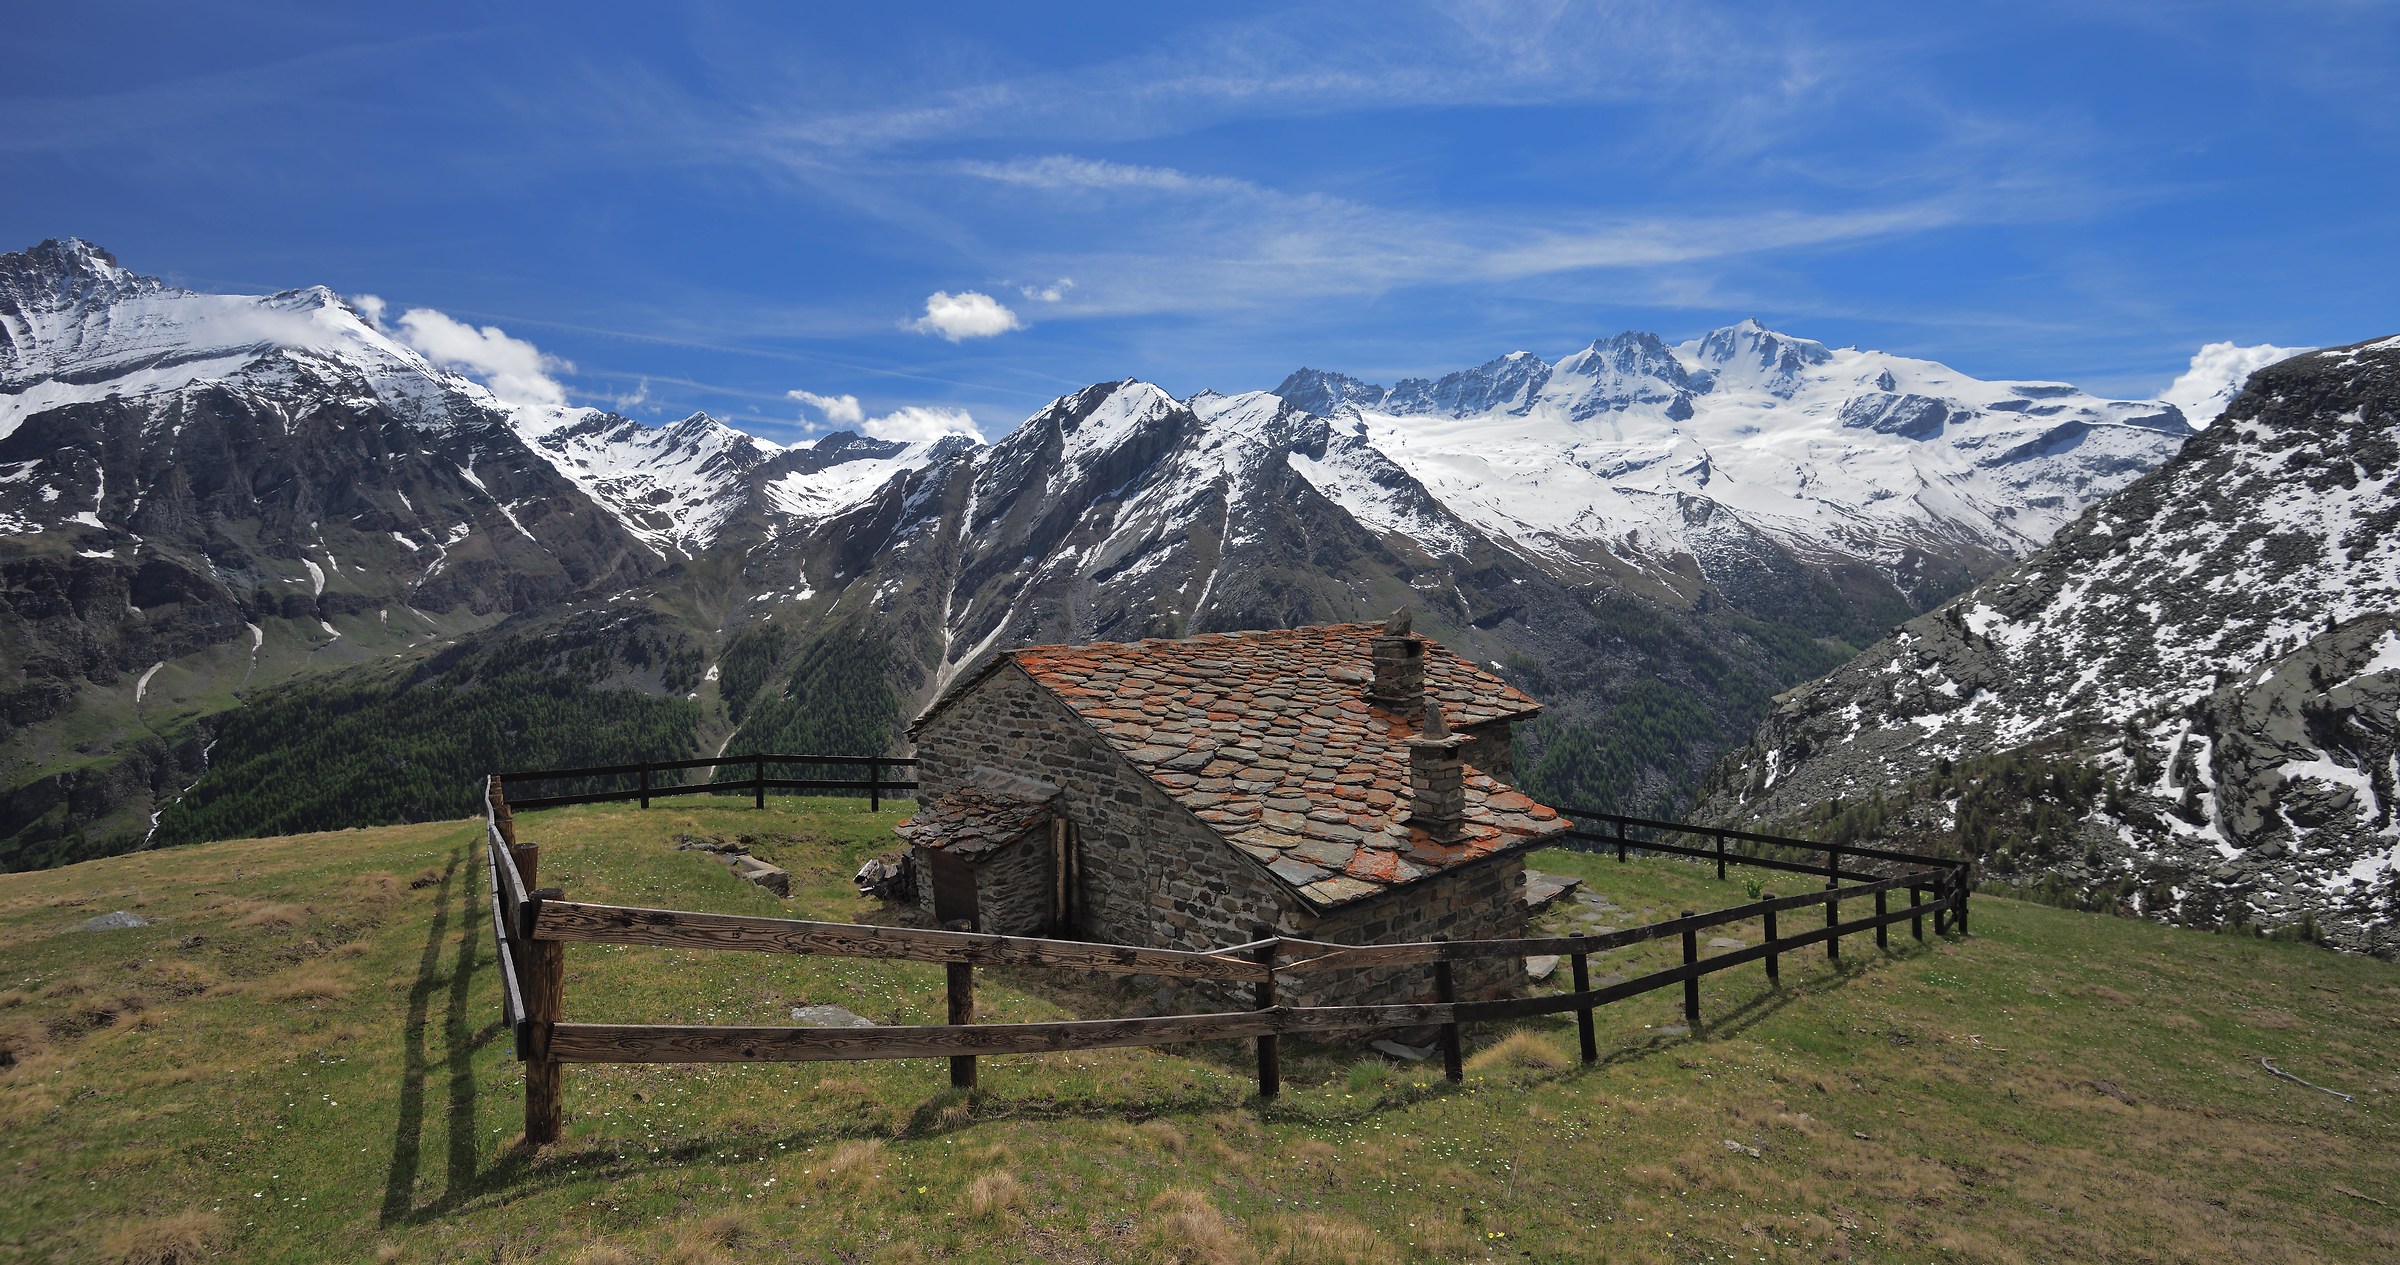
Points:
(1651, 453)
(1749, 354)
(1326, 394)
(62, 274)
(79, 327)
(1615, 374)
(1506, 385)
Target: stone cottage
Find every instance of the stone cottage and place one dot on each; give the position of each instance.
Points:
(1348, 782)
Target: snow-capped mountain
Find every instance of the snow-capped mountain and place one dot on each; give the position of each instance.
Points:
(250, 489)
(1644, 451)
(2220, 642)
(206, 493)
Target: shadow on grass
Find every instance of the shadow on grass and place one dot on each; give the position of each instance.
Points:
(445, 975)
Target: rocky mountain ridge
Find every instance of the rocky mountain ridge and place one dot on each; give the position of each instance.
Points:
(204, 496)
(2218, 646)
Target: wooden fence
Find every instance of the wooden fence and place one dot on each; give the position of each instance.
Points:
(532, 926)
(876, 784)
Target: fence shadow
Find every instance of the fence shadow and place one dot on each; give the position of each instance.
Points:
(445, 975)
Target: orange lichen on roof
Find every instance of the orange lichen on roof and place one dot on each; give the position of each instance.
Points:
(1269, 738)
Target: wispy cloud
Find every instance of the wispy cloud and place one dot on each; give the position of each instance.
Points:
(918, 424)
(516, 371)
(1050, 293)
(840, 410)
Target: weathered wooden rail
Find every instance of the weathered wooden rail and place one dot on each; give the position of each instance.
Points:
(533, 925)
(648, 788)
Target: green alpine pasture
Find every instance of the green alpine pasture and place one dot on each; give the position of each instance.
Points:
(301, 1059)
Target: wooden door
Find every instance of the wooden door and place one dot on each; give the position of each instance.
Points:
(953, 888)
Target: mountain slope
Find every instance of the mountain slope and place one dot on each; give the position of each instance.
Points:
(2218, 645)
(211, 497)
(204, 495)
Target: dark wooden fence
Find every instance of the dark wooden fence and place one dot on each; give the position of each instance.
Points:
(533, 925)
(877, 783)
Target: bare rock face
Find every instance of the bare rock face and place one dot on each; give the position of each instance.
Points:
(2203, 671)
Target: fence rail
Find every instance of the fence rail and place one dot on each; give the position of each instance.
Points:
(875, 784)
(532, 925)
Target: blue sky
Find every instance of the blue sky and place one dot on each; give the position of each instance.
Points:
(712, 207)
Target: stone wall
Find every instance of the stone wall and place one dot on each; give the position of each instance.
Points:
(1490, 750)
(1012, 885)
(1150, 872)
(1484, 901)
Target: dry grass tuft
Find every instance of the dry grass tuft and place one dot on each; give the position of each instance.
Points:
(182, 979)
(376, 888)
(606, 1254)
(1186, 1229)
(994, 1195)
(273, 916)
(311, 985)
(1528, 1050)
(854, 1165)
(177, 1240)
(1322, 1239)
(728, 1229)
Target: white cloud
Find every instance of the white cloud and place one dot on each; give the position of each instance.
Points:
(967, 314)
(369, 306)
(841, 410)
(1050, 293)
(2216, 376)
(639, 396)
(915, 424)
(516, 371)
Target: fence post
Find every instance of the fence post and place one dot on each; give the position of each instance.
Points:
(1720, 858)
(1444, 991)
(875, 785)
(645, 786)
(545, 987)
(1583, 1014)
(758, 780)
(1691, 984)
(962, 1011)
(1620, 843)
(1270, 1053)
(1833, 908)
(1774, 962)
(1916, 901)
(1962, 881)
(541, 969)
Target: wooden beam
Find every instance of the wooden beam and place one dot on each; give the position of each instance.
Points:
(669, 928)
(671, 1043)
(659, 1043)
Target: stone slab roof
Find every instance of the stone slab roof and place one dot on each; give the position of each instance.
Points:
(1269, 738)
(972, 822)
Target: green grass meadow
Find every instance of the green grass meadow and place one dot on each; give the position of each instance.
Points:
(302, 1060)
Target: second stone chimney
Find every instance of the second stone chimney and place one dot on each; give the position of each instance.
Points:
(1437, 792)
(1399, 660)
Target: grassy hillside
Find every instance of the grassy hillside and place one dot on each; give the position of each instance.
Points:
(300, 1060)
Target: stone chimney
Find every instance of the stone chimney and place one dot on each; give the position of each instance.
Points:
(1398, 685)
(1437, 792)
